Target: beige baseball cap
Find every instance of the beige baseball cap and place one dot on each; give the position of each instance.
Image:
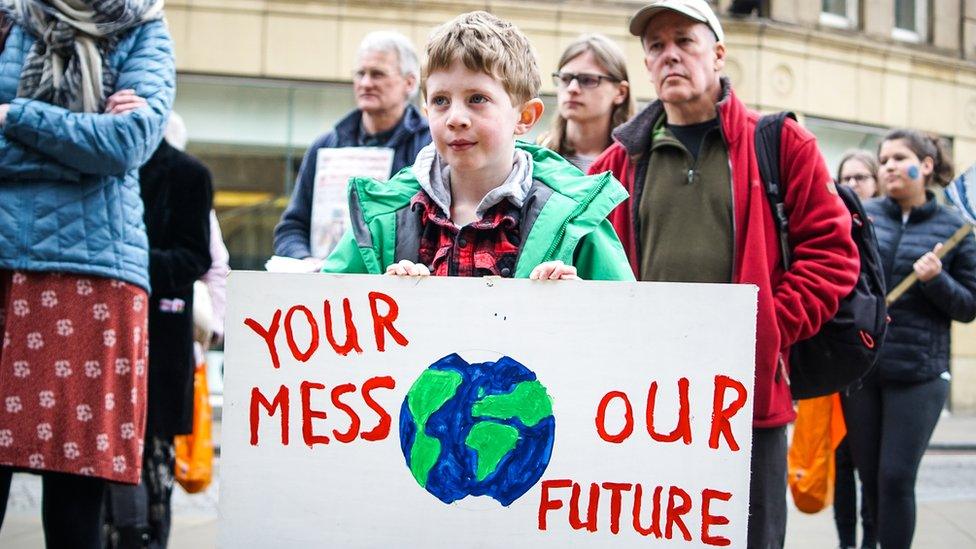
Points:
(699, 10)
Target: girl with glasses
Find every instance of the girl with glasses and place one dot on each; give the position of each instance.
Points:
(594, 98)
(858, 170)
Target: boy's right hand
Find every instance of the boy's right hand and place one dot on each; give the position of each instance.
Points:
(408, 268)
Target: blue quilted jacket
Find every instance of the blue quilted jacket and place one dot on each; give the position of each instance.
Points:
(69, 182)
(917, 346)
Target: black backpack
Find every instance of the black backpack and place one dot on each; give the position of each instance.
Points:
(847, 346)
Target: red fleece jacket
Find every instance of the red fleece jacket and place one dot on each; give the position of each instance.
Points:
(825, 264)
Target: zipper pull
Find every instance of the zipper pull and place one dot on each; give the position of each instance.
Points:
(691, 176)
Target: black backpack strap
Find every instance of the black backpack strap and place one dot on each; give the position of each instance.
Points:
(768, 132)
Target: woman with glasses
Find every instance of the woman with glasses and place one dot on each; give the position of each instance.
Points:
(594, 98)
(858, 169)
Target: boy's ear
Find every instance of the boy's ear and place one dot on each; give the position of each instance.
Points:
(529, 114)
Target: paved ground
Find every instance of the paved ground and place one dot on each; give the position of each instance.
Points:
(946, 504)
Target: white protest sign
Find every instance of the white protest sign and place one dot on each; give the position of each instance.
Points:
(375, 411)
(330, 206)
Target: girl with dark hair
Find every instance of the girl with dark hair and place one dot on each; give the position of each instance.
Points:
(891, 417)
(594, 98)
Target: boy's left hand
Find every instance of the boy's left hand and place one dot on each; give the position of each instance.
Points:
(408, 268)
(554, 270)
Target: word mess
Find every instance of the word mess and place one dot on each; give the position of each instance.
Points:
(281, 404)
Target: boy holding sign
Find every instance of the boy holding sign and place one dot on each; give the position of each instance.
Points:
(476, 202)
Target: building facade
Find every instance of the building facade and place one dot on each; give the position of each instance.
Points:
(260, 79)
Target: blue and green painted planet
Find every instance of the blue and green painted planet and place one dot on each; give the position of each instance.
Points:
(477, 429)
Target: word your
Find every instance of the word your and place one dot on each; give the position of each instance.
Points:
(382, 324)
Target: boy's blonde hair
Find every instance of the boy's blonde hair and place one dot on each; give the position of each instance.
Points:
(484, 43)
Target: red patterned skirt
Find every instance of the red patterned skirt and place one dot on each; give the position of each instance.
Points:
(73, 374)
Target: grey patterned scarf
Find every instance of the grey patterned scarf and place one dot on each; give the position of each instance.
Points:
(68, 64)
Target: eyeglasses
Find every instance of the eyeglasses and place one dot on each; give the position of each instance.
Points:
(374, 74)
(856, 178)
(564, 79)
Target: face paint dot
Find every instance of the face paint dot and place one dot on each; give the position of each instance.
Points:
(913, 172)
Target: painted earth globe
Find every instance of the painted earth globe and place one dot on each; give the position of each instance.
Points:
(481, 429)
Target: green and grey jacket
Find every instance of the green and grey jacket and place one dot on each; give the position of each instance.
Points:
(564, 217)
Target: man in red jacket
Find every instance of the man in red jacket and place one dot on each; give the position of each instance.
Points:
(698, 213)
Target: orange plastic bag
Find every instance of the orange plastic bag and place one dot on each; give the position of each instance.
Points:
(818, 430)
(194, 452)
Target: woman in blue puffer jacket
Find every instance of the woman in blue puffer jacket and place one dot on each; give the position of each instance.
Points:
(891, 418)
(73, 250)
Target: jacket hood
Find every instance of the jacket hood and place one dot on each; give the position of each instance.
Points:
(594, 196)
(435, 179)
(636, 134)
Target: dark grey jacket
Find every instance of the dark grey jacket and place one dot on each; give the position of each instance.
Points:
(917, 345)
(291, 235)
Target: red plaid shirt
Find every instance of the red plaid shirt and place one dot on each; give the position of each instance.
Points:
(487, 247)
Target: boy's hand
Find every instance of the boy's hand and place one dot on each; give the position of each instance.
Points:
(554, 270)
(408, 268)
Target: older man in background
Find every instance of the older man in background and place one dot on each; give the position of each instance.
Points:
(386, 77)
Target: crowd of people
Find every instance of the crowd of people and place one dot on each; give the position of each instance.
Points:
(106, 226)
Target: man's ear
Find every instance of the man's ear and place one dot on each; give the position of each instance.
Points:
(411, 81)
(529, 114)
(719, 56)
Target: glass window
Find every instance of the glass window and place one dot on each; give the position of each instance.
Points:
(911, 20)
(905, 15)
(839, 13)
(836, 7)
(252, 134)
(834, 137)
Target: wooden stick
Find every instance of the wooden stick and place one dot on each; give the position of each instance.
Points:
(912, 278)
